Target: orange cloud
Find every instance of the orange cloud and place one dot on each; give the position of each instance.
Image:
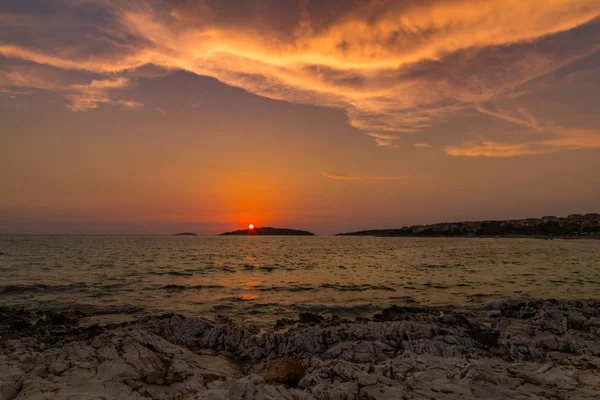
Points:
(99, 64)
(345, 177)
(385, 140)
(393, 67)
(334, 175)
(91, 95)
(80, 96)
(14, 93)
(525, 119)
(567, 140)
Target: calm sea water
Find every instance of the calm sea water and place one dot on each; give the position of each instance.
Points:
(261, 279)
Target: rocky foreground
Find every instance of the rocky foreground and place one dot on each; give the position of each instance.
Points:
(526, 350)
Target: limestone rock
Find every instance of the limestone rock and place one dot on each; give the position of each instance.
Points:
(537, 349)
(284, 370)
(122, 364)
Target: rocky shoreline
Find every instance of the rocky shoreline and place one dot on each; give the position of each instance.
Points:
(525, 350)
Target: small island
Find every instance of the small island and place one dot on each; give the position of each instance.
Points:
(268, 231)
(185, 234)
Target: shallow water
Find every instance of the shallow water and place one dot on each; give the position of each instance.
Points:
(261, 279)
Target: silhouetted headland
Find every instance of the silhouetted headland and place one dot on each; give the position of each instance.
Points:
(268, 231)
(575, 225)
(185, 234)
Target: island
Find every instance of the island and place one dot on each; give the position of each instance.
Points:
(185, 234)
(572, 226)
(268, 231)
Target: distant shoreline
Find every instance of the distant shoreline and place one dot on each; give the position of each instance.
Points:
(572, 226)
(540, 237)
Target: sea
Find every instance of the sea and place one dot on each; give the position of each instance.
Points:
(256, 280)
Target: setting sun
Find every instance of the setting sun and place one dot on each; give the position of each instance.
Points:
(398, 155)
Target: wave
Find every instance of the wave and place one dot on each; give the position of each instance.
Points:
(233, 299)
(498, 303)
(265, 305)
(338, 287)
(172, 273)
(335, 309)
(356, 288)
(18, 289)
(435, 286)
(190, 287)
(110, 286)
(293, 288)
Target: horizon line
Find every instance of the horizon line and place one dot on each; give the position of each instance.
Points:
(314, 234)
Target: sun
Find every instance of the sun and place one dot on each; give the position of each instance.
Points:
(251, 226)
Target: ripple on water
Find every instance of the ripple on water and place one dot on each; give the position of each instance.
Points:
(355, 288)
(171, 273)
(334, 308)
(173, 287)
(111, 286)
(38, 287)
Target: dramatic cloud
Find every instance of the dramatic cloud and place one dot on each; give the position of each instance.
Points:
(395, 68)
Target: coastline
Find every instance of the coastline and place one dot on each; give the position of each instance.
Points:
(543, 348)
(581, 237)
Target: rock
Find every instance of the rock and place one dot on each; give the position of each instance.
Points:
(284, 370)
(366, 379)
(589, 379)
(282, 323)
(361, 351)
(57, 368)
(310, 318)
(537, 349)
(121, 364)
(547, 342)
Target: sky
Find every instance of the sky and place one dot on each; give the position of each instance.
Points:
(157, 117)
